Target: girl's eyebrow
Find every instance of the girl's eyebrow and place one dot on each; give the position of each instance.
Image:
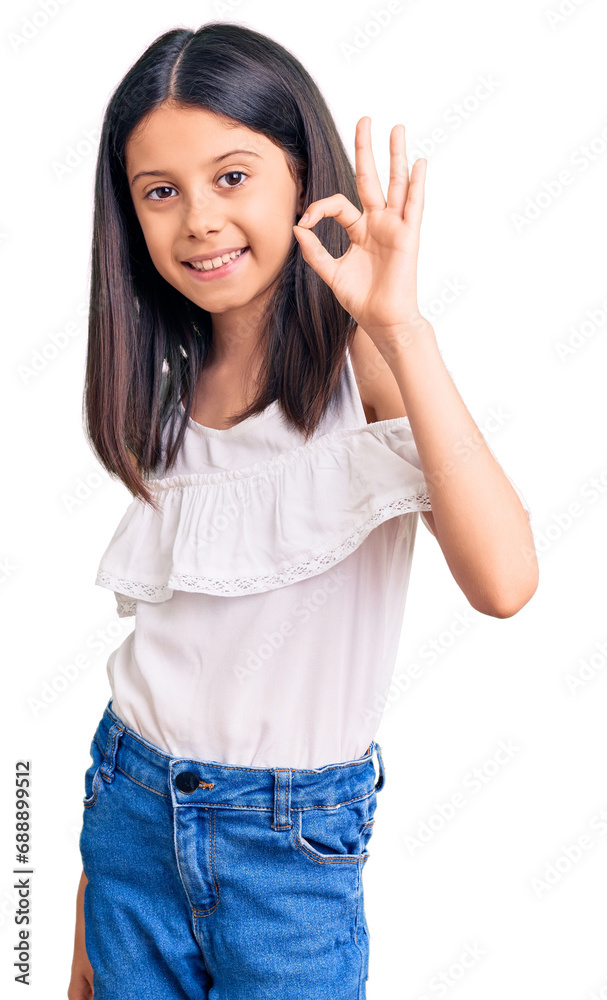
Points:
(217, 159)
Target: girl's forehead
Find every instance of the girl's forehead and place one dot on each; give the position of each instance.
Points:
(190, 124)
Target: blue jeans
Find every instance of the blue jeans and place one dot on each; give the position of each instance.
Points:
(207, 880)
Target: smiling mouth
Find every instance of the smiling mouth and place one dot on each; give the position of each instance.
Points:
(215, 263)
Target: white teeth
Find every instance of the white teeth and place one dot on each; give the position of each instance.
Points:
(209, 265)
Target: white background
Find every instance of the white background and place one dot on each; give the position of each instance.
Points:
(526, 286)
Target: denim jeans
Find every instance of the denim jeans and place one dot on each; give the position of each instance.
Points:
(208, 880)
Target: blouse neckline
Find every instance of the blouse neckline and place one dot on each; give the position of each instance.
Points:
(223, 431)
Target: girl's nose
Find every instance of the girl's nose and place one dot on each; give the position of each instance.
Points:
(203, 214)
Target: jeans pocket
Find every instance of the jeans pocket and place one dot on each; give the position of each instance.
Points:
(335, 834)
(92, 777)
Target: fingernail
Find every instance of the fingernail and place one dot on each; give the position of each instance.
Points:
(304, 218)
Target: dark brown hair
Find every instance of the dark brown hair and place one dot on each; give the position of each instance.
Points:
(147, 342)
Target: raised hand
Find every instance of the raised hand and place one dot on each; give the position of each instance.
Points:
(376, 279)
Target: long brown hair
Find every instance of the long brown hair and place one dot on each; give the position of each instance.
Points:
(147, 342)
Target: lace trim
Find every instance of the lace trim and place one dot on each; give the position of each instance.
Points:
(255, 584)
(125, 607)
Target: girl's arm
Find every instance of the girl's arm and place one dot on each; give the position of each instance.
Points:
(81, 981)
(477, 517)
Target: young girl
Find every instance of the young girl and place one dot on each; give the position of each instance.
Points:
(280, 412)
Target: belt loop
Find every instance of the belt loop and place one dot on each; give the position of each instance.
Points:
(281, 817)
(106, 769)
(381, 780)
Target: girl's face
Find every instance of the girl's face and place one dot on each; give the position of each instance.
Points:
(202, 187)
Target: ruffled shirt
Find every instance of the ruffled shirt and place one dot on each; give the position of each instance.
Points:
(269, 591)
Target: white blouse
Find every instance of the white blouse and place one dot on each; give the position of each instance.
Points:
(269, 592)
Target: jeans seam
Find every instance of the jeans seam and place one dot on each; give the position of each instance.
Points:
(356, 928)
(196, 912)
(142, 784)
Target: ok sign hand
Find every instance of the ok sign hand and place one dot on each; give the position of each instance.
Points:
(376, 279)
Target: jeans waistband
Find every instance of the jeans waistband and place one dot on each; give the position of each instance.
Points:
(191, 781)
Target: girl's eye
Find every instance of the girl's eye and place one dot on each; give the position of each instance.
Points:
(164, 187)
(167, 187)
(233, 173)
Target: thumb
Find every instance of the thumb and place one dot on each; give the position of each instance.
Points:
(315, 254)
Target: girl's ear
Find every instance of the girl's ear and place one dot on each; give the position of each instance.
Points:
(301, 197)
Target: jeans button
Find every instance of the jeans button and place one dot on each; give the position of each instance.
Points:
(187, 781)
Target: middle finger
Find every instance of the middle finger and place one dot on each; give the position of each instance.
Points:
(367, 181)
(399, 171)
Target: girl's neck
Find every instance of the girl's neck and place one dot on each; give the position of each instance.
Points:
(232, 356)
(225, 387)
(236, 343)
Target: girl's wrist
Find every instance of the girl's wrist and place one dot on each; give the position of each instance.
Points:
(400, 342)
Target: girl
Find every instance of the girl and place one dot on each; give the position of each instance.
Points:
(247, 379)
